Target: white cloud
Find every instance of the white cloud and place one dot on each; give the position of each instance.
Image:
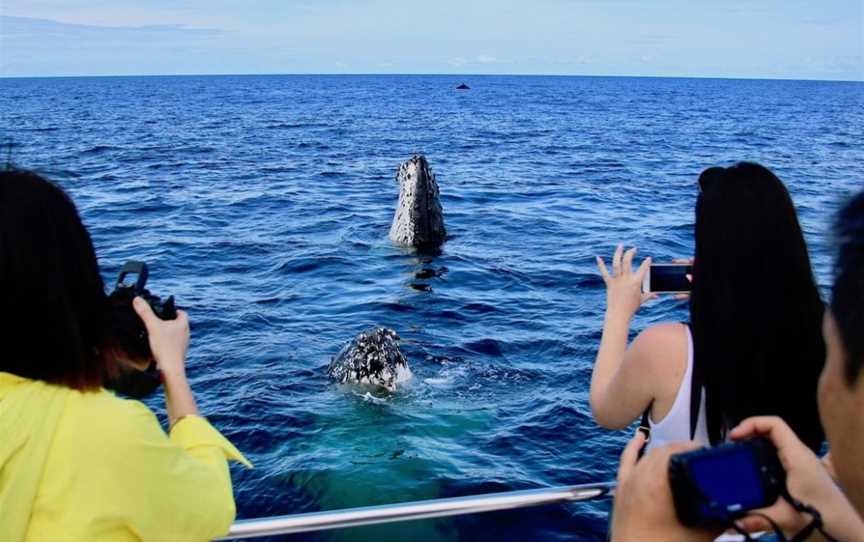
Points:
(486, 59)
(458, 62)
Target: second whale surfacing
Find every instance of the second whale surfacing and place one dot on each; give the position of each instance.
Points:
(373, 358)
(419, 218)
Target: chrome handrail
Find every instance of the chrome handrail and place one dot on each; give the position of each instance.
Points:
(435, 508)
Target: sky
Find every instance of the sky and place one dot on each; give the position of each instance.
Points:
(788, 39)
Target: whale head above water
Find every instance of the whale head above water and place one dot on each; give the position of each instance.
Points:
(419, 218)
(373, 357)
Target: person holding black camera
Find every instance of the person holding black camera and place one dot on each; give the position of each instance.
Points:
(812, 506)
(76, 461)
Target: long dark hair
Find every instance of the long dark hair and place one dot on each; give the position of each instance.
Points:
(755, 308)
(52, 297)
(847, 295)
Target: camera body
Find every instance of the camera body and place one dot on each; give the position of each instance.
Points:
(126, 326)
(714, 486)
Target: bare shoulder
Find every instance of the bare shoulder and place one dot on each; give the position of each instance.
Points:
(660, 346)
(662, 335)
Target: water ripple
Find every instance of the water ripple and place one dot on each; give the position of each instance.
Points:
(263, 204)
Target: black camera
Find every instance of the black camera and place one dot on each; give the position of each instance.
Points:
(127, 328)
(129, 334)
(715, 486)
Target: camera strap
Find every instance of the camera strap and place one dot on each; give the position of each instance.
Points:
(697, 382)
(645, 427)
(804, 534)
(814, 525)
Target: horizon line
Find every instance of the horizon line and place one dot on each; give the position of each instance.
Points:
(274, 74)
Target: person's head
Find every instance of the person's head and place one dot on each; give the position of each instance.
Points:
(841, 387)
(51, 293)
(755, 307)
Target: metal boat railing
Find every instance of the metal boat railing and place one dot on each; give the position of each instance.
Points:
(436, 508)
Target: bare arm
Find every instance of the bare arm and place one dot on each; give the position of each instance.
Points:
(169, 341)
(611, 407)
(179, 400)
(650, 372)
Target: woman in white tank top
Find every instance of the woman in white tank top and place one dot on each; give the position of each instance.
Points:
(754, 343)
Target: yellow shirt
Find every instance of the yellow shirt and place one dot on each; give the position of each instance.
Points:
(91, 466)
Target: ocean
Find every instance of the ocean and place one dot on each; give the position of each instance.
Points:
(263, 204)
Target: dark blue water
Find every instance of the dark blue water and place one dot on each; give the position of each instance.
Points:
(263, 204)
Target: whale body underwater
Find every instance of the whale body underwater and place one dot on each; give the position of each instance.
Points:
(373, 357)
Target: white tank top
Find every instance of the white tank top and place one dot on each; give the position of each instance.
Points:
(675, 426)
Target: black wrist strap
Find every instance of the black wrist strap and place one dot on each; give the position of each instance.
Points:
(815, 525)
(805, 533)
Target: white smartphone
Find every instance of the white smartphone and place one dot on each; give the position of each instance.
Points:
(672, 278)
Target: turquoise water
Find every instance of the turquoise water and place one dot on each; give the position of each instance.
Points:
(263, 203)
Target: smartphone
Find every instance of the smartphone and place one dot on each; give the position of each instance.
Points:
(668, 278)
(713, 487)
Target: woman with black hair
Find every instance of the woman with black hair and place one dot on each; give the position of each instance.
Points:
(76, 462)
(753, 345)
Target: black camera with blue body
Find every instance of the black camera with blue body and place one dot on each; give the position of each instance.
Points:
(713, 487)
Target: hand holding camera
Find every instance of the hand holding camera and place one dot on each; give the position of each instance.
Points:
(149, 329)
(807, 480)
(714, 487)
(149, 335)
(168, 339)
(770, 480)
(685, 492)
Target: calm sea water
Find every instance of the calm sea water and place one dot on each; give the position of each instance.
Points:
(263, 204)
